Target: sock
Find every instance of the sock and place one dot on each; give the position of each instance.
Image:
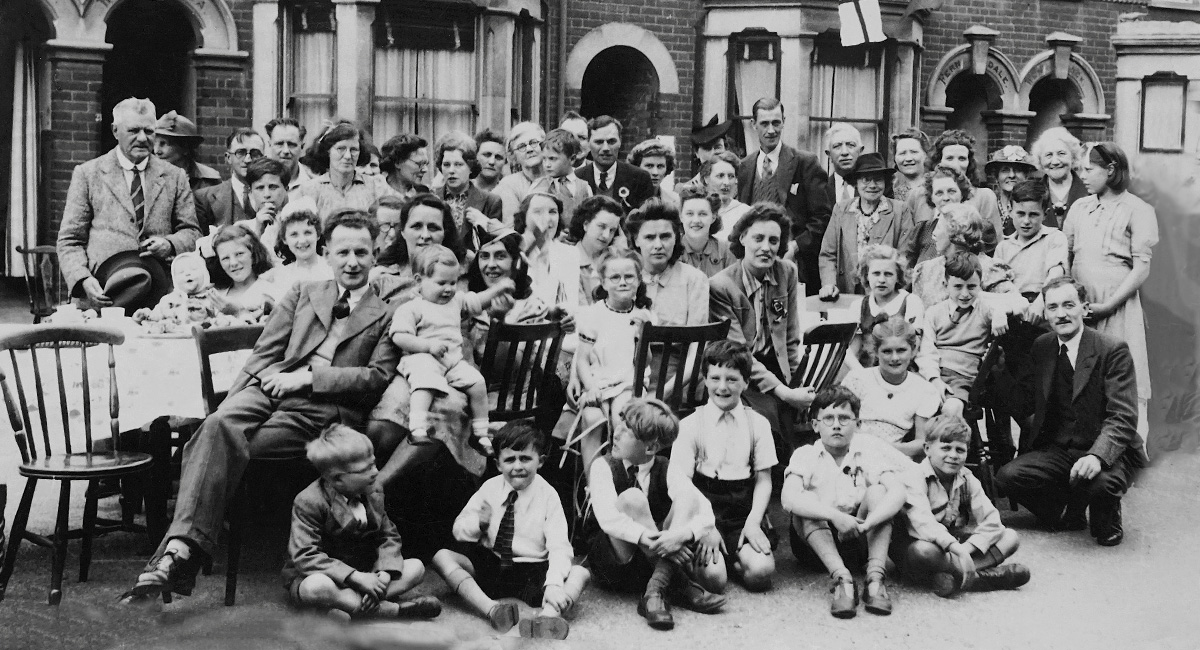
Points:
(661, 578)
(842, 574)
(876, 570)
(992, 558)
(480, 427)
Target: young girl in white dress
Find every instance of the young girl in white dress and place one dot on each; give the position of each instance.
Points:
(300, 247)
(883, 275)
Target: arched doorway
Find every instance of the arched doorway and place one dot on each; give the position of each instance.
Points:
(970, 95)
(1050, 99)
(620, 81)
(151, 57)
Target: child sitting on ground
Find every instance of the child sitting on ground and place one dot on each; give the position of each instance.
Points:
(843, 492)
(513, 543)
(428, 329)
(896, 403)
(727, 451)
(957, 537)
(651, 525)
(959, 329)
(344, 552)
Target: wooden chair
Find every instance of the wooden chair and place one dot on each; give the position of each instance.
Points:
(824, 352)
(672, 357)
(43, 279)
(979, 456)
(519, 363)
(64, 463)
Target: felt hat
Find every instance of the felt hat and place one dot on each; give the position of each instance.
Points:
(868, 163)
(177, 126)
(1014, 155)
(706, 133)
(133, 281)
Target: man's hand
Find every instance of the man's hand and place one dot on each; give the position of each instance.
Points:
(799, 398)
(999, 324)
(962, 554)
(367, 583)
(1085, 469)
(848, 526)
(556, 597)
(95, 292)
(265, 216)
(828, 292)
(282, 384)
(754, 536)
(475, 218)
(156, 246)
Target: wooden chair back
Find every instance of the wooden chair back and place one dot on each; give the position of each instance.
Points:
(217, 340)
(518, 360)
(46, 347)
(824, 351)
(43, 280)
(671, 357)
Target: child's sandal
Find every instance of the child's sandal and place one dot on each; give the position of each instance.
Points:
(504, 615)
(545, 627)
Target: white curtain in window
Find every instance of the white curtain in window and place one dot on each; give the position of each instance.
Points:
(312, 79)
(23, 181)
(1162, 121)
(402, 76)
(851, 94)
(755, 79)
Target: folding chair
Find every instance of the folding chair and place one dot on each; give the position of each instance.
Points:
(63, 464)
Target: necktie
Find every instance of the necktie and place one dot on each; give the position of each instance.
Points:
(847, 191)
(1064, 359)
(632, 471)
(139, 200)
(246, 207)
(603, 182)
(506, 532)
(766, 319)
(768, 169)
(341, 308)
(960, 313)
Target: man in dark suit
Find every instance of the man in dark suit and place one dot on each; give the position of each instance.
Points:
(324, 357)
(606, 175)
(843, 146)
(1080, 448)
(221, 205)
(793, 179)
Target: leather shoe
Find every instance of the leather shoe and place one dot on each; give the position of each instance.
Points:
(880, 603)
(653, 607)
(1075, 518)
(420, 607)
(691, 595)
(504, 614)
(1005, 576)
(544, 627)
(169, 573)
(843, 601)
(1110, 533)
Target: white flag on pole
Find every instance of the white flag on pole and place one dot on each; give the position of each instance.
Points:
(861, 22)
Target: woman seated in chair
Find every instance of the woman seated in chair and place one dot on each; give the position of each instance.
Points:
(758, 295)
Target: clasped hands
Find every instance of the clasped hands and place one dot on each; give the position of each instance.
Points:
(372, 586)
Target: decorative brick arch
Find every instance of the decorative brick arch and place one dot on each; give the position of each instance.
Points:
(614, 34)
(1079, 71)
(958, 61)
(85, 22)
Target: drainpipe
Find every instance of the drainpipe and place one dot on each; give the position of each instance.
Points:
(562, 61)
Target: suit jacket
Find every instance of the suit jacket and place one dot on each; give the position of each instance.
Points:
(729, 299)
(803, 184)
(486, 202)
(363, 364)
(627, 177)
(831, 189)
(98, 220)
(1078, 191)
(327, 539)
(218, 206)
(1104, 396)
(839, 247)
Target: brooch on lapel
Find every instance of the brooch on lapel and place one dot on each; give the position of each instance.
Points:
(778, 305)
(623, 194)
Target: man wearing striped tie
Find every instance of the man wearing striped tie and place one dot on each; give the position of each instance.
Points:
(127, 214)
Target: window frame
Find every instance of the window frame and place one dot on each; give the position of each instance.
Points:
(887, 53)
(733, 59)
(1164, 79)
(287, 56)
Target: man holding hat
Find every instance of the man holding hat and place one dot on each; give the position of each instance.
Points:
(127, 214)
(176, 141)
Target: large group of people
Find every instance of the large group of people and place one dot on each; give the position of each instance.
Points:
(378, 275)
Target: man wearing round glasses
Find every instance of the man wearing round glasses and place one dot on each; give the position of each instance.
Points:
(223, 204)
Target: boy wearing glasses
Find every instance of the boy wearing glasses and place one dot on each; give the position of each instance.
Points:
(221, 205)
(344, 551)
(843, 492)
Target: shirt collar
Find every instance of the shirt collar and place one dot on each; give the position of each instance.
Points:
(610, 174)
(128, 165)
(892, 306)
(712, 415)
(239, 188)
(753, 283)
(773, 155)
(661, 278)
(1042, 233)
(1073, 344)
(356, 295)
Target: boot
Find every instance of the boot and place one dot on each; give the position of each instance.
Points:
(1005, 576)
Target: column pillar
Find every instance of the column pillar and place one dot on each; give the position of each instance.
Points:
(1088, 127)
(496, 70)
(266, 103)
(355, 59)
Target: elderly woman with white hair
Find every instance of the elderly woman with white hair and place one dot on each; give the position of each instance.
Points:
(1057, 154)
(525, 153)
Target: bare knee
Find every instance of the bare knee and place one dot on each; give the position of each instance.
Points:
(414, 570)
(317, 589)
(1009, 542)
(757, 569)
(923, 554)
(634, 504)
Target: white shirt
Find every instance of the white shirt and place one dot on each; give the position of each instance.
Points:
(357, 508)
(1072, 346)
(609, 176)
(239, 190)
(128, 166)
(840, 185)
(620, 525)
(713, 445)
(773, 156)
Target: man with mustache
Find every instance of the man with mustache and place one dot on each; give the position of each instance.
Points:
(1080, 448)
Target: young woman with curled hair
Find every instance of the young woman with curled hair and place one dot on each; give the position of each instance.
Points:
(678, 292)
(597, 228)
(956, 149)
(335, 155)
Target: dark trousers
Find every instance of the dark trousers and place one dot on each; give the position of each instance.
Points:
(1040, 481)
(248, 425)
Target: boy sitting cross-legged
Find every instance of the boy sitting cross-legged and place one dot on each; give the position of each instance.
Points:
(513, 543)
(843, 492)
(651, 525)
(344, 552)
(726, 450)
(957, 537)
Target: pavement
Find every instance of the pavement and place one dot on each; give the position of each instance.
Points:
(1133, 596)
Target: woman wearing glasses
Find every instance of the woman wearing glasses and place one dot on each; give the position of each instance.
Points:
(525, 152)
(1056, 153)
(335, 156)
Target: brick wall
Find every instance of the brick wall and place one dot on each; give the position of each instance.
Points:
(223, 103)
(673, 23)
(75, 136)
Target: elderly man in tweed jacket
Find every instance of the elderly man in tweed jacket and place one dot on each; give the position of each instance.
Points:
(125, 200)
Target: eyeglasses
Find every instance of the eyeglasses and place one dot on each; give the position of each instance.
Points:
(621, 278)
(254, 154)
(532, 144)
(388, 227)
(830, 420)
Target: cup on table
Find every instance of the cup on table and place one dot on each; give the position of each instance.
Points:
(112, 313)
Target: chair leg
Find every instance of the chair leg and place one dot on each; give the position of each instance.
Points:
(158, 480)
(90, 505)
(60, 543)
(17, 535)
(236, 510)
